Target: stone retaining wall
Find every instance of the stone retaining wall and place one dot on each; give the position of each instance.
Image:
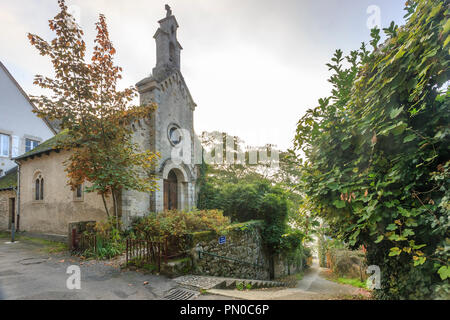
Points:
(243, 255)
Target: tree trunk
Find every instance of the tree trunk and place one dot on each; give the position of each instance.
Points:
(106, 206)
(116, 211)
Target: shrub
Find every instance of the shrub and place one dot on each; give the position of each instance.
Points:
(253, 201)
(241, 202)
(179, 223)
(347, 263)
(109, 241)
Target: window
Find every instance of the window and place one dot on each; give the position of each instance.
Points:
(39, 188)
(4, 145)
(78, 193)
(174, 134)
(30, 144)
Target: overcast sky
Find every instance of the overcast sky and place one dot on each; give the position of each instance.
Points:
(253, 66)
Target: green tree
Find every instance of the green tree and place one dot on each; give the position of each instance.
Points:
(243, 177)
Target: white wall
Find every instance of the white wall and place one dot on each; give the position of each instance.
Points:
(17, 120)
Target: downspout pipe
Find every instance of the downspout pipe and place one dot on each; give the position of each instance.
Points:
(18, 197)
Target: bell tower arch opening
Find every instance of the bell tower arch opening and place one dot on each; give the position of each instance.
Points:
(171, 52)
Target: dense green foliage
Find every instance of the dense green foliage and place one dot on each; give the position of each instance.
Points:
(281, 171)
(253, 201)
(253, 192)
(377, 155)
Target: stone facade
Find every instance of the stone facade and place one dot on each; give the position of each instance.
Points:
(167, 88)
(59, 206)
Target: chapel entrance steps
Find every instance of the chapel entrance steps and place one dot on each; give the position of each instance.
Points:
(207, 283)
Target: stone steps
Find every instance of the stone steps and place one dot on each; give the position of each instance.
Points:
(206, 283)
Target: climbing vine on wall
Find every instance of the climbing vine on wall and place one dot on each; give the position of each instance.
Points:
(377, 155)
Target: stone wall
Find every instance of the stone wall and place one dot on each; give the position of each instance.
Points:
(59, 207)
(243, 255)
(242, 244)
(134, 203)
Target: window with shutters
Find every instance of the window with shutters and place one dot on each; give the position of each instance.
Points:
(5, 141)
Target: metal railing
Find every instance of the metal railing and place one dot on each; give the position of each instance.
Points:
(153, 252)
(144, 251)
(82, 242)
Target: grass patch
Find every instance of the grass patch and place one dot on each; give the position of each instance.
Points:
(5, 235)
(241, 286)
(299, 276)
(353, 282)
(55, 247)
(48, 246)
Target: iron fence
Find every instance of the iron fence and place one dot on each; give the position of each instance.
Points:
(153, 252)
(83, 241)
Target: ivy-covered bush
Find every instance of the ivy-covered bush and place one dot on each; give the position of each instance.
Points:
(292, 248)
(239, 201)
(377, 152)
(254, 201)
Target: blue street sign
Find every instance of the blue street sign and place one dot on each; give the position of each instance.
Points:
(222, 240)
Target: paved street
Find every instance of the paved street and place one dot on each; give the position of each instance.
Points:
(27, 272)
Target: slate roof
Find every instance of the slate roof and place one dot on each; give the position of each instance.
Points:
(9, 181)
(48, 145)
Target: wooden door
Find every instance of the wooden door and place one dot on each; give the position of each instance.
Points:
(12, 212)
(173, 196)
(171, 192)
(166, 195)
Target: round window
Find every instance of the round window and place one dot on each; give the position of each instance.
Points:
(174, 134)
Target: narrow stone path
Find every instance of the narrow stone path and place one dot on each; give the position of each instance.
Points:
(313, 286)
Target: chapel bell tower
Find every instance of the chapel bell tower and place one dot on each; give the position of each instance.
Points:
(169, 129)
(167, 46)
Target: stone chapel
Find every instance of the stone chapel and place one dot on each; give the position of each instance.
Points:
(171, 125)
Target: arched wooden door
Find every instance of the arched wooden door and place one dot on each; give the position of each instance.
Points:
(171, 192)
